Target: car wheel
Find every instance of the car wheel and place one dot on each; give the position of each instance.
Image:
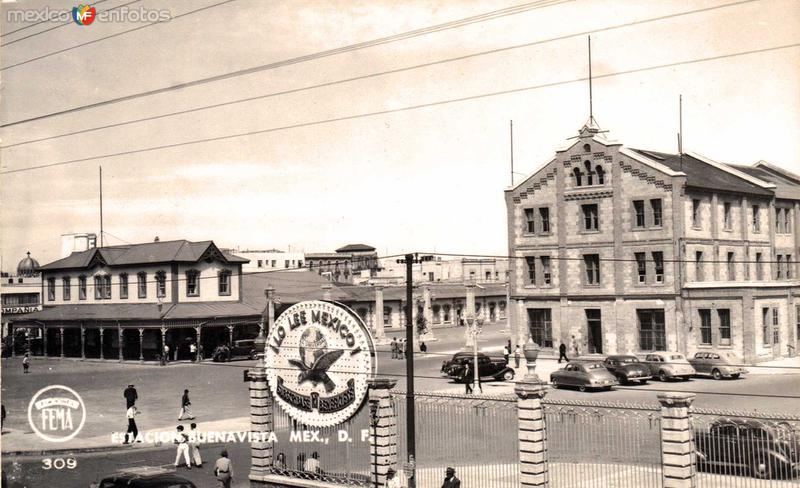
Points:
(735, 376)
(644, 382)
(662, 376)
(582, 388)
(623, 380)
(554, 383)
(254, 355)
(716, 374)
(508, 375)
(761, 468)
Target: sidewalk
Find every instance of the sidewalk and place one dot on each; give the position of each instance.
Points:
(777, 366)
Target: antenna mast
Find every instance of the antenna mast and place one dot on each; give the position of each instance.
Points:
(101, 206)
(680, 128)
(511, 122)
(591, 113)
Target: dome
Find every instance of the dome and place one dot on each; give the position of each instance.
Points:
(28, 266)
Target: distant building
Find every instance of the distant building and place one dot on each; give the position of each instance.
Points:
(71, 243)
(20, 294)
(270, 260)
(347, 261)
(480, 270)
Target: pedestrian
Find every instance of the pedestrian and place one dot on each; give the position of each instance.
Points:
(182, 440)
(450, 480)
(194, 446)
(223, 470)
(394, 347)
(193, 352)
(423, 347)
(166, 353)
(199, 352)
(130, 396)
(468, 378)
(133, 432)
(517, 356)
(26, 363)
(562, 353)
(280, 461)
(507, 352)
(312, 464)
(185, 410)
(392, 481)
(402, 348)
(2, 417)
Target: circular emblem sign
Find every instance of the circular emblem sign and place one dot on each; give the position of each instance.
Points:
(319, 358)
(56, 413)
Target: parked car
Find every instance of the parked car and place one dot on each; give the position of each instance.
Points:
(627, 368)
(488, 366)
(666, 365)
(762, 449)
(583, 375)
(243, 348)
(157, 480)
(718, 364)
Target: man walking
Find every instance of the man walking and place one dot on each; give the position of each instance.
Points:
(194, 446)
(166, 353)
(507, 352)
(26, 363)
(133, 432)
(517, 356)
(185, 403)
(562, 353)
(223, 470)
(450, 480)
(193, 352)
(182, 440)
(394, 347)
(467, 378)
(130, 396)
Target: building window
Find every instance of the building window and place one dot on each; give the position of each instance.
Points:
(576, 173)
(756, 218)
(107, 287)
(142, 284)
(724, 326)
(260, 263)
(787, 220)
(779, 268)
(529, 222)
(488, 276)
(541, 326)
(658, 261)
(65, 289)
(544, 217)
(387, 315)
(123, 285)
(696, 213)
(788, 267)
(592, 264)
(299, 263)
(655, 206)
(588, 166)
(81, 288)
(726, 215)
(546, 278)
(765, 326)
(98, 287)
(192, 283)
(273, 265)
(590, 219)
(731, 267)
(51, 289)
(161, 284)
(531, 260)
(601, 175)
(641, 267)
(652, 335)
(638, 209)
(776, 337)
(705, 326)
(224, 283)
(759, 267)
(698, 266)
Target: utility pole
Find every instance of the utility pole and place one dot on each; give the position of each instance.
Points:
(101, 206)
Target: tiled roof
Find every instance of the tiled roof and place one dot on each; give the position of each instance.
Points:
(356, 248)
(140, 311)
(150, 252)
(786, 184)
(700, 174)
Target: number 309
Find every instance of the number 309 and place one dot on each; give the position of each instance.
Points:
(59, 463)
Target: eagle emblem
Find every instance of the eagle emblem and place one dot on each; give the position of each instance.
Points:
(315, 359)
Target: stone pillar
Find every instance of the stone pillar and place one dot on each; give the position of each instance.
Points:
(101, 343)
(469, 311)
(532, 429)
(230, 335)
(141, 348)
(380, 335)
(261, 423)
(198, 331)
(678, 453)
(427, 312)
(61, 339)
(120, 341)
(383, 430)
(163, 341)
(326, 291)
(83, 341)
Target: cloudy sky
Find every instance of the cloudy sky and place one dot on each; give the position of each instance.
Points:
(427, 178)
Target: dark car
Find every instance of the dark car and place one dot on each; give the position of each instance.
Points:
(584, 375)
(762, 449)
(244, 348)
(488, 366)
(157, 480)
(627, 368)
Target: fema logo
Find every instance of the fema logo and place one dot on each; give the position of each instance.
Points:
(319, 358)
(83, 14)
(56, 413)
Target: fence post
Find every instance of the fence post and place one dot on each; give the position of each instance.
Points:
(532, 431)
(261, 422)
(383, 430)
(678, 455)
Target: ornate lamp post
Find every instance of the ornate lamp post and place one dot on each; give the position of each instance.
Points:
(474, 328)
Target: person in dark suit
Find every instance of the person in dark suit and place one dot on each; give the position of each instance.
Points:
(130, 396)
(467, 376)
(450, 480)
(562, 353)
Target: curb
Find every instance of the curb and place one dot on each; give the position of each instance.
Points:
(87, 450)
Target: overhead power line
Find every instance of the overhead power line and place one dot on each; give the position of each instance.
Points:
(41, 22)
(94, 41)
(377, 74)
(401, 109)
(301, 59)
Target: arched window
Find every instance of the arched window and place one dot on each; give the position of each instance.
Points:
(577, 174)
(588, 167)
(587, 148)
(600, 175)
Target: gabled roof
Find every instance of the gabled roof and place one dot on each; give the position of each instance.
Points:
(356, 248)
(147, 253)
(787, 184)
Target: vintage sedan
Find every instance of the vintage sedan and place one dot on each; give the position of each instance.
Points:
(761, 448)
(717, 364)
(666, 365)
(488, 366)
(627, 368)
(583, 375)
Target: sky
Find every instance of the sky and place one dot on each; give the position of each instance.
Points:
(424, 179)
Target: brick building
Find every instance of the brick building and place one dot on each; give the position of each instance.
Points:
(620, 250)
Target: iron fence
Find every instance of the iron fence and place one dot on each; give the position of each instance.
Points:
(603, 445)
(746, 450)
(477, 435)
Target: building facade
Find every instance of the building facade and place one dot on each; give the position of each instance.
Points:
(20, 293)
(478, 270)
(269, 260)
(345, 264)
(619, 250)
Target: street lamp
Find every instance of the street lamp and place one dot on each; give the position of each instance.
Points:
(475, 327)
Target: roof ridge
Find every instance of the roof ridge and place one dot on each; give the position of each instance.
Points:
(735, 172)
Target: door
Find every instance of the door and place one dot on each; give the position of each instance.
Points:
(595, 331)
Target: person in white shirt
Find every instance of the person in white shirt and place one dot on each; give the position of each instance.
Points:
(193, 351)
(194, 446)
(182, 440)
(392, 481)
(133, 432)
(312, 463)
